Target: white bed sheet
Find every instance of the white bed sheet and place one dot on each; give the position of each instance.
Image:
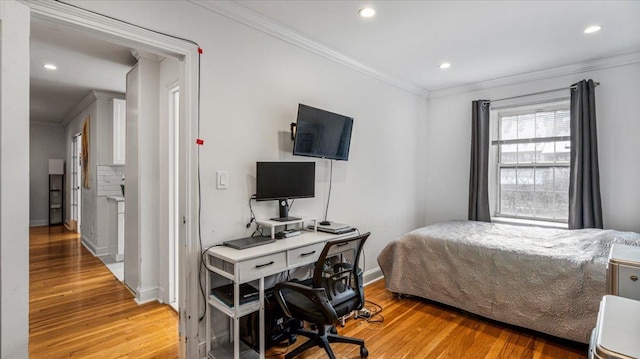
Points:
(548, 280)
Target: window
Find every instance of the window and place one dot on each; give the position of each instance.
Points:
(532, 162)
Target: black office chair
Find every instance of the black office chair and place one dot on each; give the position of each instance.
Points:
(336, 290)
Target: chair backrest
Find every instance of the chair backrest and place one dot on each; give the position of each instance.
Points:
(341, 280)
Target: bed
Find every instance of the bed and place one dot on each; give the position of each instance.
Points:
(548, 280)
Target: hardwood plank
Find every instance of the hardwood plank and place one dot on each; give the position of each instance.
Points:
(416, 328)
(78, 309)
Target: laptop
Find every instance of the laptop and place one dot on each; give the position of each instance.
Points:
(225, 293)
(248, 242)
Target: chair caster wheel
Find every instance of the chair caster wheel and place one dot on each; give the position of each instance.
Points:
(333, 330)
(364, 352)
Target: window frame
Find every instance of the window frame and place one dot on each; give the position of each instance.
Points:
(497, 114)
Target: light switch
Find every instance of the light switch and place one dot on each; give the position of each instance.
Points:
(222, 180)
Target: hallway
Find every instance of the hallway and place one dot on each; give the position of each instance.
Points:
(78, 309)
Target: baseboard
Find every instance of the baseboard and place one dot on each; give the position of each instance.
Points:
(88, 246)
(161, 294)
(372, 275)
(95, 251)
(202, 349)
(146, 295)
(38, 223)
(119, 257)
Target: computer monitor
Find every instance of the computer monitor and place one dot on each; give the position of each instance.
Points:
(282, 181)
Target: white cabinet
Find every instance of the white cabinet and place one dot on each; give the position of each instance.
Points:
(623, 271)
(615, 336)
(116, 227)
(119, 131)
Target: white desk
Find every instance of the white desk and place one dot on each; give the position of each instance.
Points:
(254, 264)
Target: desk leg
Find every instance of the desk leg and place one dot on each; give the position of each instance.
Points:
(236, 338)
(262, 334)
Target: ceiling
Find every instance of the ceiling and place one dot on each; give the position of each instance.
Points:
(482, 40)
(84, 64)
(405, 40)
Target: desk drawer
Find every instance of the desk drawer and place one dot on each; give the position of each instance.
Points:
(304, 255)
(259, 267)
(349, 246)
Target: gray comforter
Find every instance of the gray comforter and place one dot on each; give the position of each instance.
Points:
(549, 280)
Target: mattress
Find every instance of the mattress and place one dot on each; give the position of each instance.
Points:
(548, 280)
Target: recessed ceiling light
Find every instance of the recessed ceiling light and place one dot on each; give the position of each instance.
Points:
(445, 65)
(592, 29)
(50, 66)
(367, 12)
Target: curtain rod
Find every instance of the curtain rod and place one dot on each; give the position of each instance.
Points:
(539, 93)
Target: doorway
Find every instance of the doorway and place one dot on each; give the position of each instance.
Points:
(185, 213)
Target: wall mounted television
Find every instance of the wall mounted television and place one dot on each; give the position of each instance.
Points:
(322, 134)
(282, 181)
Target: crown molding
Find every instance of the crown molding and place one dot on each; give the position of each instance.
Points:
(46, 123)
(586, 66)
(255, 20)
(91, 97)
(147, 55)
(70, 16)
(81, 106)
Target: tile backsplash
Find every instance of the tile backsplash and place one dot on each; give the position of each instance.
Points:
(109, 180)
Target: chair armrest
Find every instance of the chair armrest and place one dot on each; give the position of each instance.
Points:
(316, 296)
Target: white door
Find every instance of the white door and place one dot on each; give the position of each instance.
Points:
(76, 170)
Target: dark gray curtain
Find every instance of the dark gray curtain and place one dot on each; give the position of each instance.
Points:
(585, 207)
(479, 173)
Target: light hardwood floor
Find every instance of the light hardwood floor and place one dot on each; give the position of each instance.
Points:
(416, 328)
(79, 310)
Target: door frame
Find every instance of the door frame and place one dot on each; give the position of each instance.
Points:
(76, 192)
(187, 53)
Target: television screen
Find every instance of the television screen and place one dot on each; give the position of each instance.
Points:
(285, 180)
(323, 134)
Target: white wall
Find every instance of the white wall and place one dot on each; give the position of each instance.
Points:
(88, 204)
(142, 236)
(617, 106)
(168, 78)
(46, 141)
(14, 180)
(94, 224)
(251, 86)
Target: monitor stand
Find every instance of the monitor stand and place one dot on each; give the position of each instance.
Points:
(284, 212)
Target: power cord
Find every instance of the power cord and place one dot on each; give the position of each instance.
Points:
(371, 313)
(253, 215)
(326, 210)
